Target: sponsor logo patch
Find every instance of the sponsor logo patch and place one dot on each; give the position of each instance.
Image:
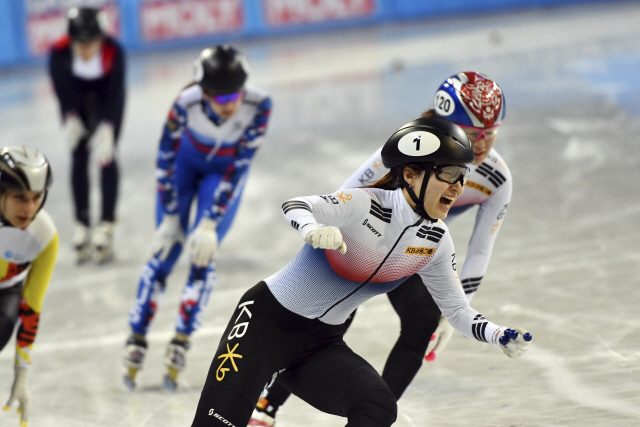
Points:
(370, 227)
(213, 413)
(412, 250)
(480, 188)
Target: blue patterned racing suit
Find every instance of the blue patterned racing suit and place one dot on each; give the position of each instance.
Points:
(203, 158)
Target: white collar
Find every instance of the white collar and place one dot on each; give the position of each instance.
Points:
(405, 212)
(88, 70)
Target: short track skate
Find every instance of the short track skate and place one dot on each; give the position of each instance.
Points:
(134, 352)
(170, 381)
(103, 242)
(83, 254)
(130, 378)
(175, 361)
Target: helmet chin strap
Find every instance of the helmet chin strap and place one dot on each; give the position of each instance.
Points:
(418, 200)
(44, 199)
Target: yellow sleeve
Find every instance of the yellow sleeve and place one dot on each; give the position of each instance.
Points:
(31, 303)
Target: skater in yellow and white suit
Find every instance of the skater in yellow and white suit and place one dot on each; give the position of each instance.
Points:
(28, 251)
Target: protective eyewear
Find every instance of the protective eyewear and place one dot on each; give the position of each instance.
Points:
(225, 98)
(451, 174)
(474, 133)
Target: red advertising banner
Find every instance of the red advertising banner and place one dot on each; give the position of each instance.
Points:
(163, 20)
(293, 12)
(44, 25)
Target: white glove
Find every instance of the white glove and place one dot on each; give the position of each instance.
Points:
(203, 243)
(439, 339)
(20, 393)
(168, 234)
(102, 143)
(324, 237)
(513, 342)
(74, 130)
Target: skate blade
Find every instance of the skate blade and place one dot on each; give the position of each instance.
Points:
(83, 255)
(169, 383)
(171, 379)
(104, 256)
(129, 381)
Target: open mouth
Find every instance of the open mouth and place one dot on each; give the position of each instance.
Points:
(446, 201)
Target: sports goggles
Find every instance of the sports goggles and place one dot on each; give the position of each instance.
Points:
(225, 98)
(451, 174)
(474, 133)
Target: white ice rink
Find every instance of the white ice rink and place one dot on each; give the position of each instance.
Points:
(566, 264)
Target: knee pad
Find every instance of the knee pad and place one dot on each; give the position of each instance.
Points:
(373, 404)
(381, 409)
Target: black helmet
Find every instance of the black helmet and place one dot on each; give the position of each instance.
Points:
(24, 168)
(425, 142)
(84, 23)
(221, 69)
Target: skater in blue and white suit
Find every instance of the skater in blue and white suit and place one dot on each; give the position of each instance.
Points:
(213, 130)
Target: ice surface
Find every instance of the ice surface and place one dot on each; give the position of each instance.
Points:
(566, 264)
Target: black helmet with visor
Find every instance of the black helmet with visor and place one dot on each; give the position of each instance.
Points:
(221, 70)
(428, 143)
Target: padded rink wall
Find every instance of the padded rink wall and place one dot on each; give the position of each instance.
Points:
(28, 27)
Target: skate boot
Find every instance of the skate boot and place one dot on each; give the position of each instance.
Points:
(103, 242)
(134, 352)
(261, 419)
(175, 361)
(82, 243)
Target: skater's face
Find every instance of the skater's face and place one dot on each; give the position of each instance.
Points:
(440, 195)
(482, 140)
(19, 207)
(225, 105)
(87, 49)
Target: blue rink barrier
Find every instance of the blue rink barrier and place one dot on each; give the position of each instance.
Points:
(29, 27)
(9, 30)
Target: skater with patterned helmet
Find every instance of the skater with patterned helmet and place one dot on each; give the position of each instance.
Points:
(361, 242)
(210, 137)
(475, 103)
(87, 68)
(28, 251)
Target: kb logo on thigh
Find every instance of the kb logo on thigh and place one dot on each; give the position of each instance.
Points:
(238, 331)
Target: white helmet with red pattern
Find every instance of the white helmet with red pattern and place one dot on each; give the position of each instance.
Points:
(470, 99)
